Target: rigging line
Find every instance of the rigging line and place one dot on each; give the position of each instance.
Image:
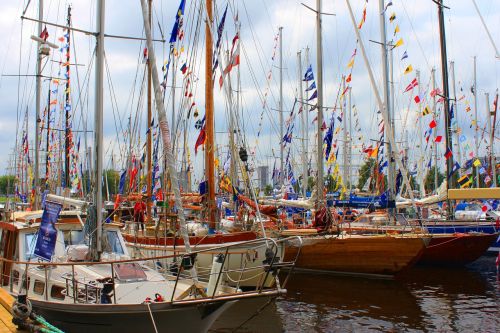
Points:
(429, 67)
(114, 105)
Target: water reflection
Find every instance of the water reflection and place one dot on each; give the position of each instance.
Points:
(425, 299)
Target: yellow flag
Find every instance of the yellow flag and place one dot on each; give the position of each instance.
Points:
(408, 69)
(426, 111)
(393, 17)
(398, 43)
(351, 63)
(396, 30)
(216, 162)
(477, 163)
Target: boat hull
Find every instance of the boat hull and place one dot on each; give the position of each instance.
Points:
(358, 255)
(456, 249)
(445, 227)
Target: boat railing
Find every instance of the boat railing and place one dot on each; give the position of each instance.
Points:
(77, 285)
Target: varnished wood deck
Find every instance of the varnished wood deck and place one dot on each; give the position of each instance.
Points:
(6, 325)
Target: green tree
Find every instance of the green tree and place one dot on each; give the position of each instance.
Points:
(268, 190)
(429, 179)
(113, 179)
(310, 183)
(365, 172)
(7, 184)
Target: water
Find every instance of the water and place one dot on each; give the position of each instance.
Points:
(425, 299)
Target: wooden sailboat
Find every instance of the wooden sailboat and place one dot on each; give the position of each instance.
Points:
(154, 244)
(340, 252)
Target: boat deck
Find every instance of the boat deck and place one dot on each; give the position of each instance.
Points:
(6, 325)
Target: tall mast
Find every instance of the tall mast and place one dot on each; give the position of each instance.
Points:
(492, 141)
(98, 118)
(319, 60)
(38, 93)
(282, 148)
(67, 114)
(387, 104)
(455, 108)
(434, 115)
(346, 144)
(349, 165)
(306, 153)
(421, 142)
(476, 137)
(209, 118)
(47, 143)
(446, 95)
(232, 143)
(148, 124)
(304, 122)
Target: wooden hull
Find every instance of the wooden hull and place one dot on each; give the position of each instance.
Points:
(456, 249)
(216, 239)
(359, 255)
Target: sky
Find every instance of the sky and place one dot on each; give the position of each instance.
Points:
(260, 20)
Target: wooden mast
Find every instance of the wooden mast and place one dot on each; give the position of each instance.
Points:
(67, 127)
(148, 124)
(209, 119)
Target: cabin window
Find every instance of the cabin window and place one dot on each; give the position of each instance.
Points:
(113, 243)
(15, 277)
(73, 237)
(29, 245)
(56, 292)
(39, 287)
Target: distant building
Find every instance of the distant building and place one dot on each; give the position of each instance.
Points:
(263, 174)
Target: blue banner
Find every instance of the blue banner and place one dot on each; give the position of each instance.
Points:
(47, 235)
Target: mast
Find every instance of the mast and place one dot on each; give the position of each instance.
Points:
(47, 143)
(282, 148)
(98, 119)
(446, 103)
(492, 139)
(209, 119)
(476, 138)
(387, 106)
(304, 122)
(455, 108)
(421, 142)
(492, 161)
(38, 92)
(349, 165)
(434, 115)
(67, 127)
(232, 143)
(148, 124)
(319, 60)
(344, 121)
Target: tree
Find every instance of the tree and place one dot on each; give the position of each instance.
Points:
(268, 190)
(365, 172)
(330, 183)
(429, 180)
(7, 184)
(113, 179)
(310, 183)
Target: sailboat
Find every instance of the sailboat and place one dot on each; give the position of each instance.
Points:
(160, 243)
(96, 286)
(442, 248)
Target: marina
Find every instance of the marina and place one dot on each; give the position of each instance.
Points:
(249, 166)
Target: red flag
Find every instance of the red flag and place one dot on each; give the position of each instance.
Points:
(348, 79)
(412, 85)
(417, 99)
(435, 92)
(438, 138)
(45, 34)
(448, 153)
(201, 139)
(432, 124)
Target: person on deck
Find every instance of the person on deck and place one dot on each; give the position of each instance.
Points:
(139, 212)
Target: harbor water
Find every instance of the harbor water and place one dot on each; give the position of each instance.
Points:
(424, 299)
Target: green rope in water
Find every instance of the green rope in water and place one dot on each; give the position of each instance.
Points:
(49, 327)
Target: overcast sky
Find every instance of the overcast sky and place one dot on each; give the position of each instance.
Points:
(260, 19)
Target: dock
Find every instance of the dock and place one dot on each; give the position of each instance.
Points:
(6, 325)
